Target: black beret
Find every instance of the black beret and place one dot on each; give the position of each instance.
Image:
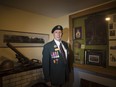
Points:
(57, 27)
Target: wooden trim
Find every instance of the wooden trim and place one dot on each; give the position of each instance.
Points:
(100, 71)
(103, 7)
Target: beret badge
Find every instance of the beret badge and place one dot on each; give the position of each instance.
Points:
(57, 27)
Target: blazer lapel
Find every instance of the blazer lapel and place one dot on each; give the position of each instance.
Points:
(55, 46)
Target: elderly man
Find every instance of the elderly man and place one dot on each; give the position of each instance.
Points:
(55, 59)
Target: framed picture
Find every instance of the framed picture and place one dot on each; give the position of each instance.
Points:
(112, 53)
(95, 30)
(78, 33)
(112, 31)
(112, 26)
(77, 57)
(77, 44)
(95, 57)
(22, 39)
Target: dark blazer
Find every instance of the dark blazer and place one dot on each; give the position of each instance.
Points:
(54, 68)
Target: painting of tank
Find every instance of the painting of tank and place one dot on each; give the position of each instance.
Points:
(22, 39)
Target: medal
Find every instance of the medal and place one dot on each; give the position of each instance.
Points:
(54, 61)
(55, 54)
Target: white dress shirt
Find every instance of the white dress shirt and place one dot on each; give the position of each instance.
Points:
(58, 44)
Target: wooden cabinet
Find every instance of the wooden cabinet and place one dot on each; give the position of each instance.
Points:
(89, 37)
(100, 76)
(91, 46)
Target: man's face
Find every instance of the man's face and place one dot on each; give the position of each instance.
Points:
(57, 35)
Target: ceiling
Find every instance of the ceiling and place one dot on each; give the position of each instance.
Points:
(52, 8)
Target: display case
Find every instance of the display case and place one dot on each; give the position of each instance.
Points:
(92, 47)
(89, 31)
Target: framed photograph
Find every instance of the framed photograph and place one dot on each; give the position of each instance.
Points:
(22, 39)
(112, 31)
(77, 58)
(78, 33)
(77, 44)
(95, 30)
(95, 57)
(112, 53)
(112, 27)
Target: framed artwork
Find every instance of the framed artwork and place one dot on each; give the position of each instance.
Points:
(95, 57)
(95, 30)
(22, 39)
(77, 57)
(78, 33)
(77, 44)
(112, 53)
(112, 26)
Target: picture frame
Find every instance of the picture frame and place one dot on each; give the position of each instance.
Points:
(77, 44)
(112, 53)
(112, 26)
(112, 31)
(95, 57)
(95, 30)
(78, 32)
(77, 57)
(22, 39)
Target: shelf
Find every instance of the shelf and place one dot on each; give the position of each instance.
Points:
(98, 70)
(19, 69)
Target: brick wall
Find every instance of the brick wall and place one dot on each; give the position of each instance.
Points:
(22, 79)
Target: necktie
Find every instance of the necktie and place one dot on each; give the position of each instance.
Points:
(63, 53)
